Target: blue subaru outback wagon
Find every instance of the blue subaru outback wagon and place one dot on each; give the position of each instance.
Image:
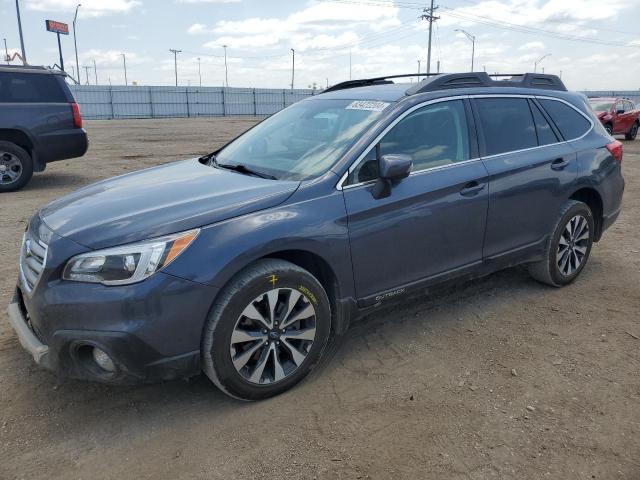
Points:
(245, 262)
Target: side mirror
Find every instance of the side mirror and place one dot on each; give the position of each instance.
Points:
(392, 169)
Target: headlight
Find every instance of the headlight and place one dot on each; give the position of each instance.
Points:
(129, 263)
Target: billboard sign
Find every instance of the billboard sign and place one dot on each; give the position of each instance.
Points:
(57, 27)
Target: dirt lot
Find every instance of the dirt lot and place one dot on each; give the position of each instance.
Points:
(499, 378)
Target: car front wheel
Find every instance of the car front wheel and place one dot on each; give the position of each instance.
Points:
(266, 331)
(569, 247)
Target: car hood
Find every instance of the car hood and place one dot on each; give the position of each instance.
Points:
(158, 201)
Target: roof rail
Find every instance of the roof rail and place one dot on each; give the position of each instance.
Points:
(446, 81)
(373, 81)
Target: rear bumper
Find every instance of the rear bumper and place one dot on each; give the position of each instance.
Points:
(62, 145)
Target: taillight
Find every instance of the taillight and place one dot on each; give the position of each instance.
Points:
(615, 149)
(77, 118)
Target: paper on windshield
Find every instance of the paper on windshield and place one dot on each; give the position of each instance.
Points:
(368, 105)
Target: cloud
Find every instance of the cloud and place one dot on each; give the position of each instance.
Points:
(531, 46)
(208, 1)
(318, 26)
(197, 29)
(89, 8)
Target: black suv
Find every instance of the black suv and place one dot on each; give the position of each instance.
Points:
(40, 122)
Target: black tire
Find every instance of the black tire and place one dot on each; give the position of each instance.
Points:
(631, 134)
(11, 153)
(609, 128)
(548, 270)
(226, 313)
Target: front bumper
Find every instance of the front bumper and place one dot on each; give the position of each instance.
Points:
(29, 341)
(151, 332)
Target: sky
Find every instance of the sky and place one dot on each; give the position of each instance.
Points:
(594, 44)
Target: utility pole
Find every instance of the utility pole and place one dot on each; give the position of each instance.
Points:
(175, 61)
(418, 67)
(24, 54)
(293, 66)
(199, 72)
(537, 62)
(86, 72)
(226, 69)
(473, 43)
(438, 67)
(75, 41)
(95, 70)
(6, 51)
(124, 62)
(430, 18)
(349, 64)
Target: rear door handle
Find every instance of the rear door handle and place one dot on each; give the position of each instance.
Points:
(472, 189)
(559, 164)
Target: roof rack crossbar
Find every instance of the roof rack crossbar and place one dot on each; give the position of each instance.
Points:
(363, 82)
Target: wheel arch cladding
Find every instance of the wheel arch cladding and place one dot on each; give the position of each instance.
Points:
(593, 199)
(322, 271)
(18, 137)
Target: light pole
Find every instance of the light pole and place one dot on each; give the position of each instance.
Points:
(473, 44)
(293, 66)
(226, 70)
(537, 62)
(95, 70)
(124, 62)
(24, 54)
(175, 61)
(75, 41)
(199, 72)
(6, 51)
(418, 67)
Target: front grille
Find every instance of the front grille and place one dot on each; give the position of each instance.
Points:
(33, 257)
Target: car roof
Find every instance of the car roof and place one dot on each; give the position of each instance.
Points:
(30, 69)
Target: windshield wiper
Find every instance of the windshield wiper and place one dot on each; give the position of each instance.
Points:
(240, 168)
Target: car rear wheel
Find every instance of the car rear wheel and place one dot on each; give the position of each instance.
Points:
(266, 331)
(631, 135)
(568, 248)
(16, 167)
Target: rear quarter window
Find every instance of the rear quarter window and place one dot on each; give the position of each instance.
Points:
(571, 124)
(30, 88)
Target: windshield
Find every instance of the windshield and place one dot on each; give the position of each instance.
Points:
(601, 105)
(304, 140)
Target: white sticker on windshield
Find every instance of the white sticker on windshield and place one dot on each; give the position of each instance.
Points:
(369, 105)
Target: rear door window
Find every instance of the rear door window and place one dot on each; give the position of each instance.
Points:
(546, 135)
(571, 124)
(30, 88)
(507, 124)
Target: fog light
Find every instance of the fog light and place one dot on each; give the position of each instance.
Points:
(103, 360)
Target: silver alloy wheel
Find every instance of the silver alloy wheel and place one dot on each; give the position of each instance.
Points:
(10, 168)
(273, 336)
(573, 245)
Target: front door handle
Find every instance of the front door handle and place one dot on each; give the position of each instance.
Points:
(559, 164)
(472, 189)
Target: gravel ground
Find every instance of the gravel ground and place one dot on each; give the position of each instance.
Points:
(498, 378)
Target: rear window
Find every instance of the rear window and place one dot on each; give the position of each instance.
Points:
(507, 124)
(571, 124)
(30, 88)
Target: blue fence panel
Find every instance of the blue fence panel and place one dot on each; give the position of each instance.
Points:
(107, 102)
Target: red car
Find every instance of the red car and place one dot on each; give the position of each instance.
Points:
(618, 115)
